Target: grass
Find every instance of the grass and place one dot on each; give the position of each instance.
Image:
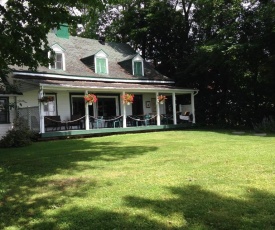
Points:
(163, 180)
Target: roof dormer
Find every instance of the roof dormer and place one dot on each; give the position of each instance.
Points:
(138, 66)
(101, 62)
(58, 56)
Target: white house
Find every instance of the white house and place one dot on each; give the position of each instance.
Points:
(109, 71)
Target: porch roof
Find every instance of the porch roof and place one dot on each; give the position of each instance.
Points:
(101, 86)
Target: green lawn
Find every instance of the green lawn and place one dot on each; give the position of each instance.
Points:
(162, 180)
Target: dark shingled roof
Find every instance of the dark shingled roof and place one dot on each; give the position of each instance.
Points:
(79, 53)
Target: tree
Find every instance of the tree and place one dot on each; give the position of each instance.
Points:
(155, 28)
(24, 27)
(233, 58)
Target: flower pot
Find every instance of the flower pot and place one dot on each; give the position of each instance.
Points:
(90, 103)
(128, 103)
(161, 102)
(45, 103)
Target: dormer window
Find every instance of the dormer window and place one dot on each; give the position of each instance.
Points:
(101, 62)
(137, 64)
(138, 68)
(58, 57)
(58, 61)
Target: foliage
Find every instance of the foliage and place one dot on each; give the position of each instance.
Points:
(231, 63)
(150, 181)
(267, 125)
(89, 14)
(24, 27)
(138, 23)
(90, 98)
(19, 136)
(127, 98)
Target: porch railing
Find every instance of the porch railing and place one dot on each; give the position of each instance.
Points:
(30, 115)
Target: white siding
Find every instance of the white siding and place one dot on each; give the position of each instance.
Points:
(152, 99)
(63, 105)
(4, 128)
(29, 98)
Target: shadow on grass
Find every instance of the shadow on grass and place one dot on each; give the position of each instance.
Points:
(196, 208)
(203, 209)
(45, 158)
(23, 172)
(231, 131)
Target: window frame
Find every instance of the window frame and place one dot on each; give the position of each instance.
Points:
(100, 66)
(57, 51)
(101, 55)
(138, 59)
(140, 72)
(6, 110)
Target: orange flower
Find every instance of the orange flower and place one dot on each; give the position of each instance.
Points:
(90, 98)
(128, 98)
(46, 99)
(161, 98)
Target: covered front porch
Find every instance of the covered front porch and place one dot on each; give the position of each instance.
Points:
(65, 112)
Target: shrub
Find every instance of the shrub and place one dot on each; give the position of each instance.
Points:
(19, 136)
(267, 125)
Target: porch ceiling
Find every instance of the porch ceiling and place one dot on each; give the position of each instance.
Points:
(103, 86)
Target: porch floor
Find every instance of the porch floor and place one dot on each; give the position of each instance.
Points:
(108, 131)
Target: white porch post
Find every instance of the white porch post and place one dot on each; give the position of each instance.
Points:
(87, 120)
(41, 111)
(193, 107)
(123, 105)
(157, 106)
(174, 108)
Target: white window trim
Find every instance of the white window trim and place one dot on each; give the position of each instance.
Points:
(102, 55)
(138, 58)
(58, 50)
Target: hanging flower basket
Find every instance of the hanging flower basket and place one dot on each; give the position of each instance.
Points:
(161, 99)
(127, 98)
(46, 99)
(90, 98)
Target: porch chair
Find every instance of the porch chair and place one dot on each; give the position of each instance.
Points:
(147, 119)
(117, 123)
(99, 122)
(75, 121)
(53, 122)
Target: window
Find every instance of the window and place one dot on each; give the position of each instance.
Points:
(101, 62)
(4, 110)
(58, 61)
(138, 68)
(58, 56)
(101, 66)
(50, 107)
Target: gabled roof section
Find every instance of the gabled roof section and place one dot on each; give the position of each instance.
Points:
(80, 54)
(101, 53)
(127, 63)
(57, 47)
